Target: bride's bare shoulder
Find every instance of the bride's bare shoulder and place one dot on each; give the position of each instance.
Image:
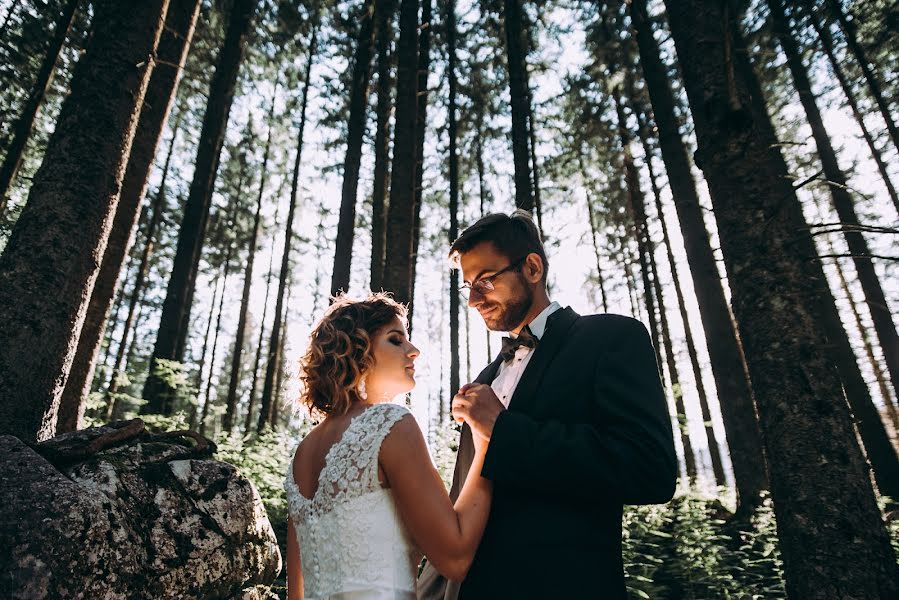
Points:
(404, 441)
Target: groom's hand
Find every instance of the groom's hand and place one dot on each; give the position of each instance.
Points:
(477, 405)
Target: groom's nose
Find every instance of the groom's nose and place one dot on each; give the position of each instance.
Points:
(475, 298)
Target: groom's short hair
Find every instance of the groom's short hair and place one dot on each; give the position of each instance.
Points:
(514, 235)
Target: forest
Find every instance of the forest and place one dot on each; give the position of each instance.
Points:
(186, 183)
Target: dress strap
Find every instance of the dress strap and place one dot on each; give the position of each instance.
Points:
(381, 419)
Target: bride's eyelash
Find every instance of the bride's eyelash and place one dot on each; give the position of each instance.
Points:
(396, 341)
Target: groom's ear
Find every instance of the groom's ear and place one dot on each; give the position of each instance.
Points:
(533, 268)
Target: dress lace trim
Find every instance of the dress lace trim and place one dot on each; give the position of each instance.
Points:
(351, 464)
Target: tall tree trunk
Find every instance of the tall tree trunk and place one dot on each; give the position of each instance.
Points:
(175, 319)
(876, 442)
(110, 336)
(592, 218)
(827, 44)
(198, 382)
(776, 279)
(171, 54)
(851, 36)
(450, 25)
(735, 394)
(866, 341)
(401, 209)
(142, 271)
(343, 248)
(482, 188)
(117, 409)
(251, 401)
(479, 160)
(714, 452)
(59, 237)
(384, 33)
(535, 171)
(424, 68)
(516, 45)
(632, 293)
(839, 192)
(644, 248)
(279, 378)
(236, 356)
(226, 272)
(21, 131)
(265, 401)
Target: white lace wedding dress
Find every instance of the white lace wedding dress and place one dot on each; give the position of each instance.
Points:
(353, 545)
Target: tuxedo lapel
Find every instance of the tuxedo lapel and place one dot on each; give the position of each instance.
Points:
(465, 454)
(546, 350)
(489, 373)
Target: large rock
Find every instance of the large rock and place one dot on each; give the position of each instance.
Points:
(118, 512)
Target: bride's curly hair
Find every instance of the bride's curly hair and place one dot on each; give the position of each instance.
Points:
(340, 351)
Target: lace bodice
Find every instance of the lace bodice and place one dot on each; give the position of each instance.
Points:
(352, 541)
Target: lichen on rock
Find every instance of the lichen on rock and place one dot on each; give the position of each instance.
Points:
(118, 512)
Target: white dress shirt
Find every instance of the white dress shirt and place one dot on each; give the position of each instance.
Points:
(509, 373)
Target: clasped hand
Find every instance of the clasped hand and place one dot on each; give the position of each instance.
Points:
(477, 405)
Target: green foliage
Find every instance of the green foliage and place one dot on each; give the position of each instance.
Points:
(160, 423)
(175, 375)
(890, 509)
(264, 460)
(692, 548)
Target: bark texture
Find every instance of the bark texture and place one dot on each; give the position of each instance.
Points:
(516, 49)
(384, 33)
(735, 394)
(51, 261)
(170, 55)
(833, 549)
(401, 211)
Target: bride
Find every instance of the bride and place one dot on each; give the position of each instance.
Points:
(365, 501)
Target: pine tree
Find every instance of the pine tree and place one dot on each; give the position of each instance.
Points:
(171, 54)
(735, 394)
(343, 252)
(59, 235)
(172, 335)
(401, 211)
(231, 399)
(382, 143)
(268, 385)
(802, 411)
(516, 48)
(450, 25)
(25, 123)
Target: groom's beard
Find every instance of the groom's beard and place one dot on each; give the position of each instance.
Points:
(511, 315)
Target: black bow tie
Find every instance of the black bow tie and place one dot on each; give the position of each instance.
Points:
(510, 344)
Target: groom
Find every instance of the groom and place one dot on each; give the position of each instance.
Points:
(577, 422)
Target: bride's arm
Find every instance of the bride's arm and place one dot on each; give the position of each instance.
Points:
(448, 534)
(294, 564)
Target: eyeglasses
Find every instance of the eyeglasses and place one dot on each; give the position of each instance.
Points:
(484, 285)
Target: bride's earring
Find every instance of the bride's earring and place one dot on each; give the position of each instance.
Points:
(360, 389)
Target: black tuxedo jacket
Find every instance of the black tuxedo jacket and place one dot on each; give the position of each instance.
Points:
(587, 431)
